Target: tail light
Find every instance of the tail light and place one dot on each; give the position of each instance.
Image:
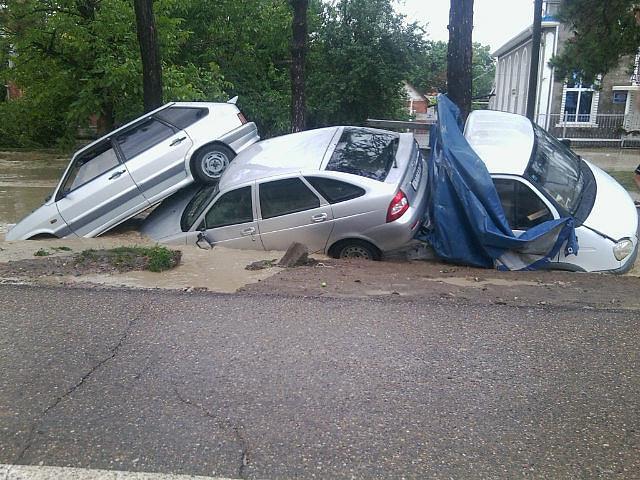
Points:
(397, 207)
(243, 120)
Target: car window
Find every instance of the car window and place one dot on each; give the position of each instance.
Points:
(522, 207)
(282, 197)
(142, 137)
(182, 117)
(196, 205)
(335, 191)
(231, 208)
(365, 152)
(91, 165)
(556, 169)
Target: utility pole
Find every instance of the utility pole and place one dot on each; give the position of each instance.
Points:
(535, 60)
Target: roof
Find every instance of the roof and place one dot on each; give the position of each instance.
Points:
(504, 141)
(523, 37)
(279, 156)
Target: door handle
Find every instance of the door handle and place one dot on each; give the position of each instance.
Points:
(321, 217)
(117, 174)
(177, 141)
(248, 231)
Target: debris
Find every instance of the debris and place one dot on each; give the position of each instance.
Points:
(261, 264)
(297, 255)
(323, 284)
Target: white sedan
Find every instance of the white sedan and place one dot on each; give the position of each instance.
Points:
(539, 178)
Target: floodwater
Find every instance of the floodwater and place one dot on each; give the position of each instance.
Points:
(26, 179)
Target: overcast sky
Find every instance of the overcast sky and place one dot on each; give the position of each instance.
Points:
(495, 21)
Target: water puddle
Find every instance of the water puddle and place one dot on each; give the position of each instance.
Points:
(26, 180)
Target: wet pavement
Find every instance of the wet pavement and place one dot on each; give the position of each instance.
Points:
(267, 386)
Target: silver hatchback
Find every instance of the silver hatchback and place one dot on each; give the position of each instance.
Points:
(346, 191)
(138, 165)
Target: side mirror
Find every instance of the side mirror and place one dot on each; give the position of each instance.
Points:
(566, 142)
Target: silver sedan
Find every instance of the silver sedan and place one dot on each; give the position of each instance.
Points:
(345, 191)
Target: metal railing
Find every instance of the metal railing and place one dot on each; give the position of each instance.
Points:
(420, 129)
(594, 130)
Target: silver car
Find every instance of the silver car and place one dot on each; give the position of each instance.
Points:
(347, 191)
(138, 165)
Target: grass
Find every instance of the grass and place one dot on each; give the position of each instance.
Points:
(154, 259)
(42, 253)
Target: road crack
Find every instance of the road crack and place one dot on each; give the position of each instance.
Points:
(243, 461)
(112, 353)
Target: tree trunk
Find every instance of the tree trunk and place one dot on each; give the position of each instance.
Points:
(150, 54)
(298, 53)
(460, 55)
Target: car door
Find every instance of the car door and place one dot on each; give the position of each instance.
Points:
(97, 191)
(230, 221)
(523, 206)
(291, 212)
(154, 153)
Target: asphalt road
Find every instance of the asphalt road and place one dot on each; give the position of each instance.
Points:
(275, 387)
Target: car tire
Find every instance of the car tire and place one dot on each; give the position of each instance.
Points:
(210, 162)
(350, 249)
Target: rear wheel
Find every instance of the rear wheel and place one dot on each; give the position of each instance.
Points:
(210, 163)
(356, 249)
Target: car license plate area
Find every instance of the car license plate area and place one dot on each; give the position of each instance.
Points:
(417, 176)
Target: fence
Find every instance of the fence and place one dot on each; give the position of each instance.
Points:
(420, 129)
(594, 130)
(603, 130)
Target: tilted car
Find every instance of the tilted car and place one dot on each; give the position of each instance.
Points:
(538, 178)
(347, 191)
(138, 165)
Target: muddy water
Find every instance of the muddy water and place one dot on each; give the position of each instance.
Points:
(26, 179)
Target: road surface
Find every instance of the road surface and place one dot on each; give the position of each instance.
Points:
(268, 386)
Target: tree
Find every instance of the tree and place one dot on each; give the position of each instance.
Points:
(359, 55)
(429, 71)
(460, 54)
(298, 55)
(150, 55)
(604, 32)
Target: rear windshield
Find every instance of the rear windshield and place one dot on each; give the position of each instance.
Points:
(197, 205)
(556, 169)
(365, 152)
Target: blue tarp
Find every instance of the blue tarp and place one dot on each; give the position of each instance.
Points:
(465, 222)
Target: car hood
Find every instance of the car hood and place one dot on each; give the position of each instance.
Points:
(614, 213)
(164, 221)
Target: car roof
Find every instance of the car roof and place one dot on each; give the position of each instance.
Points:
(504, 141)
(291, 153)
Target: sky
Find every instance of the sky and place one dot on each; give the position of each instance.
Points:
(495, 21)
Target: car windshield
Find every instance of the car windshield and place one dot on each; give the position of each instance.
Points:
(197, 205)
(365, 152)
(556, 169)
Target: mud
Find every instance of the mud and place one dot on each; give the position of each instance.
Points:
(435, 281)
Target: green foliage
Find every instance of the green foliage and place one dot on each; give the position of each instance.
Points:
(605, 31)
(74, 59)
(429, 72)
(154, 259)
(41, 253)
(359, 55)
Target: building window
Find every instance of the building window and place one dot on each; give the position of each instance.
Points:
(619, 97)
(579, 103)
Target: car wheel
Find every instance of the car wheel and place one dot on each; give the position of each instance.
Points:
(357, 249)
(210, 162)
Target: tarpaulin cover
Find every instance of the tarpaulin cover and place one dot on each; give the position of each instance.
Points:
(465, 222)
